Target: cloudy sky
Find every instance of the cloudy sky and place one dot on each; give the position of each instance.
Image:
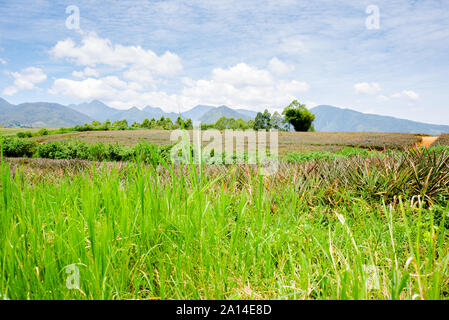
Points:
(247, 54)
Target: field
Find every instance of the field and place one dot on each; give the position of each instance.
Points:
(360, 226)
(442, 140)
(288, 141)
(13, 131)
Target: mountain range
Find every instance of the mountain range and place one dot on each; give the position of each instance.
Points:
(39, 115)
(333, 119)
(327, 118)
(206, 114)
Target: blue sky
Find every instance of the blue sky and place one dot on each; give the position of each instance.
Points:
(247, 54)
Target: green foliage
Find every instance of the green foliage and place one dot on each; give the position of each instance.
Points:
(26, 134)
(263, 121)
(326, 229)
(230, 123)
(75, 149)
(16, 147)
(42, 132)
(298, 116)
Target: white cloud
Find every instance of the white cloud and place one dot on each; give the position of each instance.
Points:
(140, 76)
(104, 88)
(96, 51)
(367, 88)
(2, 61)
(25, 80)
(115, 92)
(244, 85)
(408, 94)
(87, 72)
(276, 66)
(242, 75)
(240, 85)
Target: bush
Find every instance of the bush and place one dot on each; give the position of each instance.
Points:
(26, 134)
(15, 147)
(54, 150)
(42, 132)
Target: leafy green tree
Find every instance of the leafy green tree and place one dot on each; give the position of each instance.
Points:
(262, 121)
(96, 123)
(145, 123)
(135, 125)
(266, 117)
(107, 124)
(179, 122)
(298, 116)
(188, 124)
(258, 121)
(168, 124)
(161, 122)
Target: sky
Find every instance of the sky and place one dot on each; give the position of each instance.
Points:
(383, 57)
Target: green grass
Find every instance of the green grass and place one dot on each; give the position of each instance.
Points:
(308, 232)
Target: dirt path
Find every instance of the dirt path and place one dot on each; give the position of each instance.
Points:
(426, 142)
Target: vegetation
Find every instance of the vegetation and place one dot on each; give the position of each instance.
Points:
(356, 227)
(299, 117)
(443, 140)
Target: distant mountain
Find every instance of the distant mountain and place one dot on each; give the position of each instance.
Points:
(197, 112)
(157, 113)
(327, 118)
(333, 119)
(39, 115)
(131, 115)
(96, 110)
(101, 112)
(5, 106)
(248, 113)
(223, 111)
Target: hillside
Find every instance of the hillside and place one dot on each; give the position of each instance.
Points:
(333, 119)
(214, 114)
(197, 112)
(40, 114)
(95, 109)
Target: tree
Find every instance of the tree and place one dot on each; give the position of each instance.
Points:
(262, 121)
(145, 123)
(266, 117)
(258, 121)
(188, 124)
(168, 124)
(298, 116)
(160, 122)
(179, 122)
(277, 122)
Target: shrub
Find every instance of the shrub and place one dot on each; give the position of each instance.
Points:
(15, 147)
(26, 134)
(54, 150)
(42, 132)
(97, 152)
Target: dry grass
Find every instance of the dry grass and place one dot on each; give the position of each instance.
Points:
(288, 141)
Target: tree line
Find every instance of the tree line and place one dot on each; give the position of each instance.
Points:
(295, 116)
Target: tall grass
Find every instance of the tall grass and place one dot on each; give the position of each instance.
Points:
(325, 229)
